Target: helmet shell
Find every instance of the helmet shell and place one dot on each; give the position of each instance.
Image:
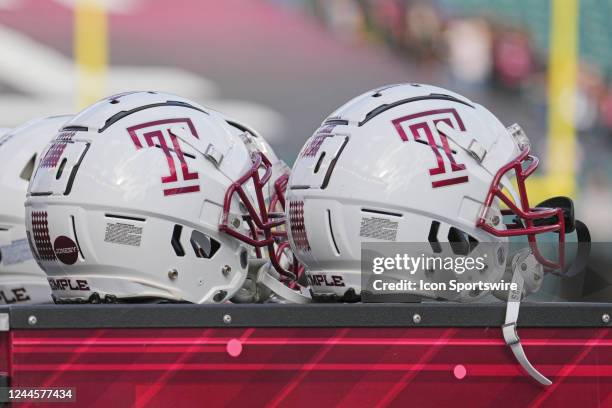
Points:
(127, 202)
(395, 165)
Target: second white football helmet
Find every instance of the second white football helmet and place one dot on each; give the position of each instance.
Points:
(21, 279)
(412, 163)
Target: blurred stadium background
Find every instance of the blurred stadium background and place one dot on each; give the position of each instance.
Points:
(283, 65)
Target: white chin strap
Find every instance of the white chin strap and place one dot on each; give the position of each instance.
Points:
(509, 328)
(278, 288)
(263, 286)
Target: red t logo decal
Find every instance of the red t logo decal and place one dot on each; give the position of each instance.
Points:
(160, 134)
(423, 129)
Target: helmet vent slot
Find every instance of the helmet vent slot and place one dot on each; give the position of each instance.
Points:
(75, 129)
(319, 162)
(203, 245)
(461, 242)
(433, 237)
(60, 169)
(176, 240)
(120, 115)
(382, 212)
(28, 169)
(385, 107)
(125, 217)
(331, 232)
(76, 238)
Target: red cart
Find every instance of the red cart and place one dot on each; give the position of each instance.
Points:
(320, 355)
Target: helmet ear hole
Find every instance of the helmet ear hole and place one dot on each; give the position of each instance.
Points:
(461, 242)
(203, 245)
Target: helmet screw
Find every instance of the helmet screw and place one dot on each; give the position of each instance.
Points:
(495, 220)
(32, 320)
(523, 267)
(227, 319)
(173, 274)
(226, 269)
(416, 318)
(236, 222)
(605, 318)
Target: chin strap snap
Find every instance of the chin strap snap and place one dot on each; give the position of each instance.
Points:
(509, 328)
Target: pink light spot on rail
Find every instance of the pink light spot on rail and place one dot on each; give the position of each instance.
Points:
(459, 371)
(234, 347)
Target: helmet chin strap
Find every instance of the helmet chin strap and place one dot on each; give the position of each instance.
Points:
(512, 312)
(266, 279)
(263, 285)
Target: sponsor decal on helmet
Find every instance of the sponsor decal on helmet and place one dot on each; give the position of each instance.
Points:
(65, 250)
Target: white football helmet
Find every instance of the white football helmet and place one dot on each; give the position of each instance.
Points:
(147, 195)
(21, 279)
(411, 163)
